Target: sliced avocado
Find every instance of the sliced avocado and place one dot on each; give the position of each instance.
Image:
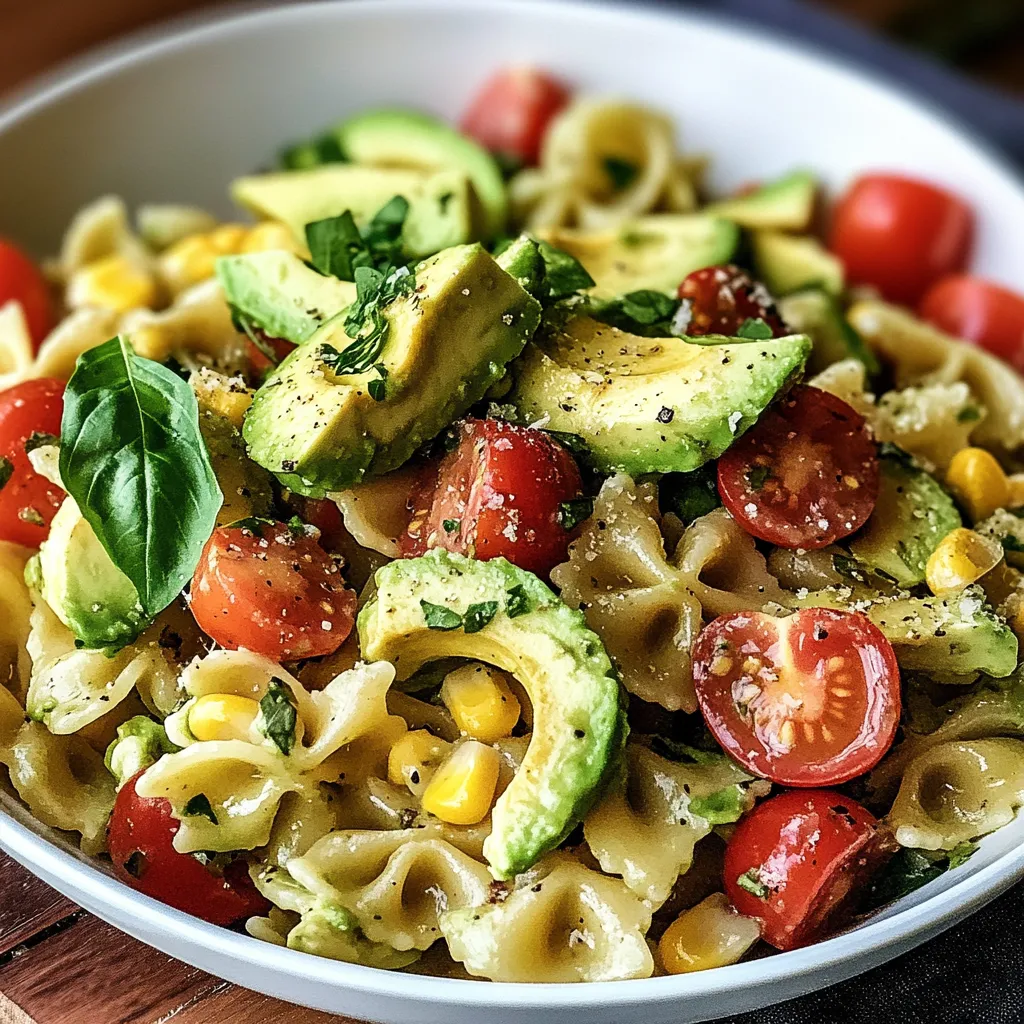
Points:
(439, 203)
(783, 205)
(813, 311)
(447, 342)
(247, 488)
(140, 742)
(579, 724)
(405, 138)
(281, 294)
(522, 259)
(655, 252)
(650, 405)
(787, 263)
(912, 515)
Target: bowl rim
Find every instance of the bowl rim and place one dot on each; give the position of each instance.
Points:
(74, 874)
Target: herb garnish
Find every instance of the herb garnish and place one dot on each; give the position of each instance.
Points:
(6, 469)
(277, 709)
(721, 807)
(324, 149)
(517, 601)
(751, 881)
(564, 275)
(754, 329)
(37, 439)
(621, 172)
(437, 616)
(572, 513)
(199, 806)
(450, 525)
(910, 869)
(758, 476)
(690, 495)
(479, 615)
(646, 312)
(338, 248)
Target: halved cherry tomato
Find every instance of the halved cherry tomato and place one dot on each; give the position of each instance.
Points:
(325, 516)
(808, 700)
(980, 311)
(805, 475)
(259, 361)
(28, 501)
(900, 234)
(498, 493)
(722, 298)
(21, 280)
(511, 113)
(141, 832)
(273, 590)
(798, 862)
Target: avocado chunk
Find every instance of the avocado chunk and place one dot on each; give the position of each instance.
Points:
(912, 515)
(522, 259)
(447, 341)
(654, 252)
(281, 294)
(439, 203)
(651, 405)
(405, 138)
(813, 311)
(507, 617)
(787, 263)
(783, 205)
(246, 487)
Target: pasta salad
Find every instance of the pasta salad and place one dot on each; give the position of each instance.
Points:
(498, 557)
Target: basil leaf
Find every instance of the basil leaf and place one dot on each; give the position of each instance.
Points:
(6, 469)
(751, 881)
(645, 312)
(437, 616)
(325, 149)
(37, 439)
(564, 275)
(199, 806)
(754, 329)
(279, 716)
(721, 807)
(479, 615)
(335, 246)
(758, 476)
(517, 601)
(450, 525)
(620, 172)
(132, 456)
(962, 853)
(572, 513)
(384, 232)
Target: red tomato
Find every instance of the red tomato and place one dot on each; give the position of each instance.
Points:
(325, 516)
(808, 700)
(900, 234)
(259, 362)
(140, 840)
(805, 475)
(28, 501)
(271, 590)
(798, 862)
(722, 298)
(498, 494)
(979, 311)
(21, 280)
(511, 113)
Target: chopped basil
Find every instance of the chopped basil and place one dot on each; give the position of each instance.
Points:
(968, 414)
(645, 312)
(572, 513)
(277, 709)
(450, 525)
(962, 853)
(848, 567)
(325, 149)
(517, 601)
(564, 275)
(376, 389)
(1011, 543)
(909, 869)
(751, 881)
(336, 247)
(757, 476)
(296, 527)
(437, 616)
(573, 442)
(198, 806)
(685, 753)
(6, 469)
(479, 615)
(754, 329)
(690, 495)
(722, 807)
(37, 439)
(252, 524)
(621, 172)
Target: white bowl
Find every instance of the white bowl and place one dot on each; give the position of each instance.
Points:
(177, 118)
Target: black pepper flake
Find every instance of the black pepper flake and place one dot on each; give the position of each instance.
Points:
(665, 414)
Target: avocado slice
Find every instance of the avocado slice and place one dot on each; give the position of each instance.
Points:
(813, 311)
(787, 263)
(784, 205)
(447, 342)
(912, 515)
(439, 203)
(650, 405)
(654, 252)
(579, 723)
(247, 488)
(405, 138)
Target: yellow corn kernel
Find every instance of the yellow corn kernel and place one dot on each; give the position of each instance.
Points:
(194, 258)
(113, 282)
(271, 234)
(462, 789)
(962, 557)
(978, 481)
(226, 396)
(711, 934)
(414, 758)
(480, 701)
(222, 716)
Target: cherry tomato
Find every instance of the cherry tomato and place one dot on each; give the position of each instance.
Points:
(798, 862)
(805, 475)
(980, 311)
(141, 832)
(808, 700)
(259, 361)
(722, 298)
(498, 493)
(511, 113)
(325, 516)
(28, 501)
(900, 234)
(272, 590)
(21, 280)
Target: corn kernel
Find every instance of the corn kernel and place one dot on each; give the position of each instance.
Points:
(114, 282)
(711, 934)
(271, 234)
(222, 716)
(961, 558)
(481, 702)
(978, 481)
(414, 758)
(226, 396)
(462, 789)
(1015, 481)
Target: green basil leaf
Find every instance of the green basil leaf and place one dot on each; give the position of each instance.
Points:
(437, 616)
(384, 232)
(962, 853)
(277, 709)
(564, 275)
(132, 456)
(690, 495)
(336, 247)
(325, 149)
(721, 807)
(754, 329)
(479, 615)
(199, 806)
(645, 312)
(6, 469)
(450, 525)
(572, 513)
(37, 439)
(517, 601)
(751, 881)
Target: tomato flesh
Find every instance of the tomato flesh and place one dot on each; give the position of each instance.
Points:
(900, 234)
(28, 501)
(141, 834)
(511, 113)
(980, 311)
(808, 700)
(22, 282)
(805, 475)
(721, 299)
(799, 861)
(273, 590)
(259, 362)
(497, 494)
